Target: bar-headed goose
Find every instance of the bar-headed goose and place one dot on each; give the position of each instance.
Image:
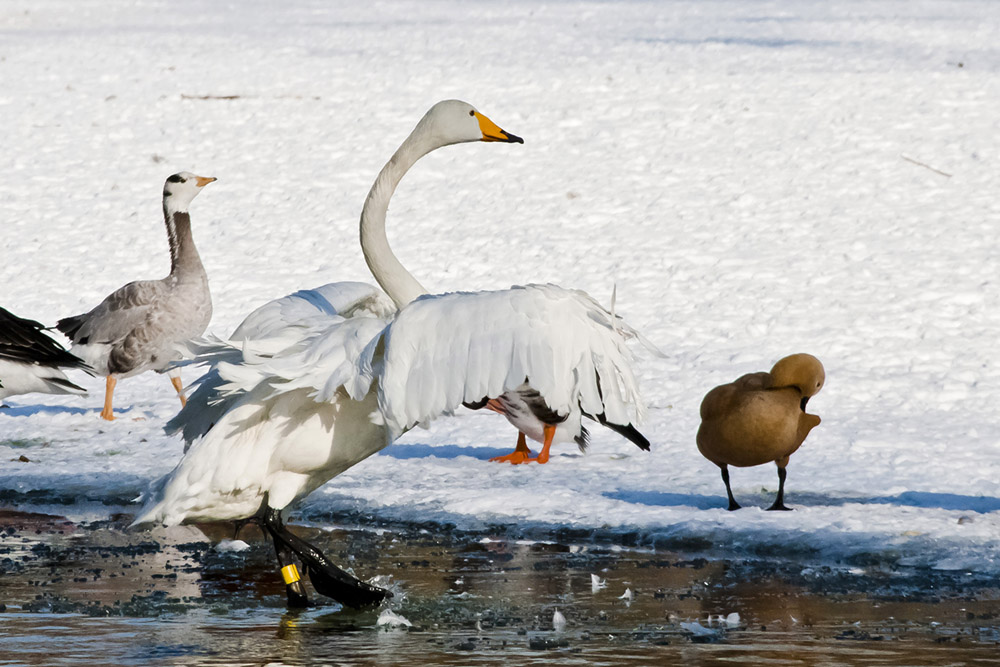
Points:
(138, 326)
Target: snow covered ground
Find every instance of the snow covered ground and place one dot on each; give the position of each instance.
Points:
(746, 172)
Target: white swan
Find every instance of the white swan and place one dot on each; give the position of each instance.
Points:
(137, 327)
(30, 360)
(297, 409)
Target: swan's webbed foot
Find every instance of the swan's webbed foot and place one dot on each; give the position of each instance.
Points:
(326, 578)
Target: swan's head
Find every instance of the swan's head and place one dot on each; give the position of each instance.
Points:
(181, 188)
(454, 122)
(799, 370)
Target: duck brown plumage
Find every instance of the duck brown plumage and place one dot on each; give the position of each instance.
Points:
(760, 418)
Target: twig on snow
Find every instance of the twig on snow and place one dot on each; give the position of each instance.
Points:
(926, 166)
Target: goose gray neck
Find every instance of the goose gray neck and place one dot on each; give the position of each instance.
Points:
(184, 256)
(390, 274)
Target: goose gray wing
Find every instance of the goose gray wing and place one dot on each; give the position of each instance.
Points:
(121, 312)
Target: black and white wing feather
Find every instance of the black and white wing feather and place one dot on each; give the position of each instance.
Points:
(443, 351)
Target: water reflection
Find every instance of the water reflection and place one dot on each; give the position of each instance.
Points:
(97, 594)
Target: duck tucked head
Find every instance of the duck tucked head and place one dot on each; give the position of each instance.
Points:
(803, 371)
(181, 188)
(454, 122)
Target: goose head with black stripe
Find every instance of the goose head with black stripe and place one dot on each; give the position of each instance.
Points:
(178, 192)
(138, 326)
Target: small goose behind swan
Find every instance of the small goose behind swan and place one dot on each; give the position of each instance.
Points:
(137, 327)
(761, 417)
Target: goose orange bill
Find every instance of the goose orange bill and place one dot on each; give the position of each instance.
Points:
(204, 180)
(493, 133)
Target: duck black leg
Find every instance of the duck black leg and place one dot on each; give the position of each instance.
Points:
(733, 505)
(779, 501)
(326, 578)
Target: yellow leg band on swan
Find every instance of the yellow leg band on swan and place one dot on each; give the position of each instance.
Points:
(290, 574)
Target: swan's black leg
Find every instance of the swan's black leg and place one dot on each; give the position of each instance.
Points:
(238, 526)
(733, 505)
(326, 578)
(779, 501)
(294, 587)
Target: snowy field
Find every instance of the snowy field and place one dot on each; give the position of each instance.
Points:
(745, 172)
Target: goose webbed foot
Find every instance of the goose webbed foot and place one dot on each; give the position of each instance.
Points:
(326, 578)
(521, 453)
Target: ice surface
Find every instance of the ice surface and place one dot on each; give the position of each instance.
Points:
(750, 175)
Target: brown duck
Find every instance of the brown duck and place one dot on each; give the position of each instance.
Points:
(760, 417)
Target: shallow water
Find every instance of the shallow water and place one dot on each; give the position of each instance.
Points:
(94, 593)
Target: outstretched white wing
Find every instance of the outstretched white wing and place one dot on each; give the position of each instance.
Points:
(279, 425)
(444, 350)
(284, 326)
(313, 307)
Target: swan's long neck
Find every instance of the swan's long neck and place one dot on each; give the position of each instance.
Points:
(390, 274)
(184, 256)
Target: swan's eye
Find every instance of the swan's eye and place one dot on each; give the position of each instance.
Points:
(472, 113)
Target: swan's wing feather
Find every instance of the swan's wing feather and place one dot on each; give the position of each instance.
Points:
(313, 307)
(266, 423)
(444, 350)
(290, 342)
(321, 360)
(326, 361)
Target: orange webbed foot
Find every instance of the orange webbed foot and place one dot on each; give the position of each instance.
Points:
(521, 453)
(515, 457)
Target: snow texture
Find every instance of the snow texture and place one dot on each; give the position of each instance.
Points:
(756, 178)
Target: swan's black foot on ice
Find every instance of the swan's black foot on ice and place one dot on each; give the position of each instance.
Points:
(326, 578)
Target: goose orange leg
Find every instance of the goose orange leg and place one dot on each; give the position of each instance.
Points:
(109, 392)
(521, 453)
(543, 456)
(179, 386)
